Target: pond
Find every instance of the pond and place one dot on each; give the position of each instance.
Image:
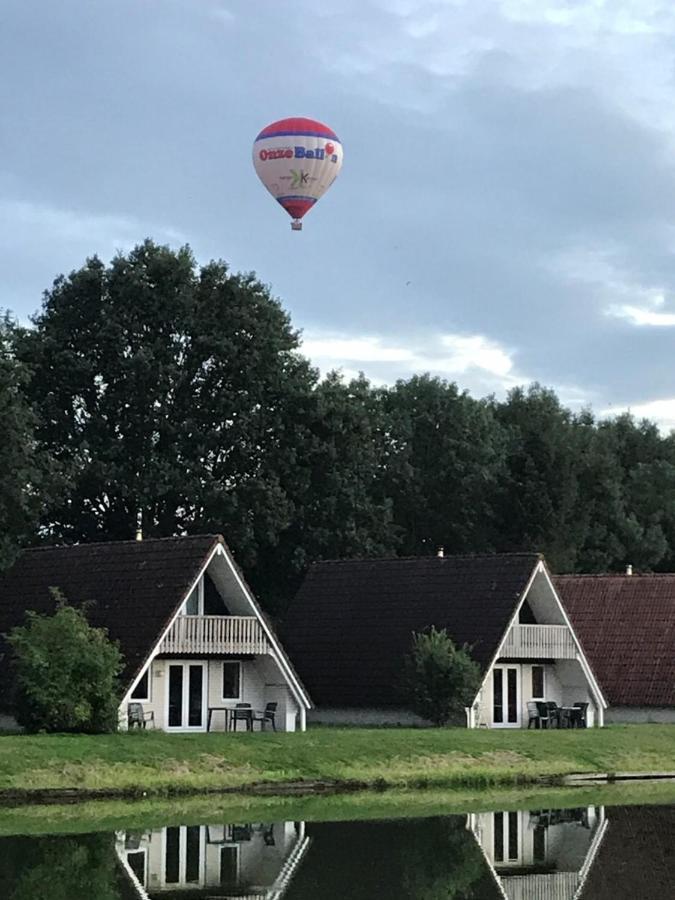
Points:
(586, 852)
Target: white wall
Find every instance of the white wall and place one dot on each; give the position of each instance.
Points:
(640, 714)
(261, 682)
(564, 683)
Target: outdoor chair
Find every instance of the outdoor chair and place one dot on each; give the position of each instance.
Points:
(137, 717)
(554, 713)
(534, 714)
(242, 712)
(266, 715)
(580, 717)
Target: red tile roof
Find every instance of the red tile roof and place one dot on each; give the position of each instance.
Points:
(626, 625)
(351, 624)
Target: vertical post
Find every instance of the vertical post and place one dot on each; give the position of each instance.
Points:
(302, 718)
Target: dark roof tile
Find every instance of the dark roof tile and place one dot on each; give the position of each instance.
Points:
(134, 588)
(352, 621)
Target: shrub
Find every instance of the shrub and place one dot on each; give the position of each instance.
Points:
(441, 679)
(65, 673)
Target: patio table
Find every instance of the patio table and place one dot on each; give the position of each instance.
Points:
(568, 714)
(225, 709)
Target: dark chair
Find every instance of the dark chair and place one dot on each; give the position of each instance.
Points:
(137, 718)
(242, 712)
(579, 720)
(266, 715)
(553, 713)
(533, 714)
(544, 718)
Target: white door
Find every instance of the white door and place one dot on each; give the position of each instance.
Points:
(506, 697)
(186, 696)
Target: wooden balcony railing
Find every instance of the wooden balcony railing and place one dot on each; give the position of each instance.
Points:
(539, 641)
(215, 634)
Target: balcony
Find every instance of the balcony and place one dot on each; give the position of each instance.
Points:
(539, 642)
(215, 634)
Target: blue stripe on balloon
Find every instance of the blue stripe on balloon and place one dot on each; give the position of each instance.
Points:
(297, 197)
(317, 134)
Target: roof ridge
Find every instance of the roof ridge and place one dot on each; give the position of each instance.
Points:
(366, 559)
(117, 543)
(616, 575)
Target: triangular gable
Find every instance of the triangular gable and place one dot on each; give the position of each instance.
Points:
(240, 600)
(540, 570)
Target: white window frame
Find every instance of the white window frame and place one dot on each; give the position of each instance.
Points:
(146, 698)
(232, 662)
(186, 663)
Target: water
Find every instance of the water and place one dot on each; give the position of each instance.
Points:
(586, 853)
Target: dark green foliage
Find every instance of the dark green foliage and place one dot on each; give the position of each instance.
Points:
(446, 462)
(24, 481)
(441, 679)
(62, 868)
(65, 673)
(167, 390)
(155, 386)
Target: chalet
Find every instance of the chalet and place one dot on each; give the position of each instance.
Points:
(195, 641)
(626, 624)
(351, 625)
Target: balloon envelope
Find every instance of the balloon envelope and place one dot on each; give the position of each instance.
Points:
(297, 160)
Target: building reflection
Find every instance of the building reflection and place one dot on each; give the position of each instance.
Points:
(252, 861)
(542, 854)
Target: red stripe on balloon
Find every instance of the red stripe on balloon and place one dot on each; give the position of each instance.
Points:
(297, 124)
(295, 206)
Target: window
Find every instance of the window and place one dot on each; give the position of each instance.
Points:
(539, 845)
(194, 605)
(142, 689)
(538, 682)
(231, 680)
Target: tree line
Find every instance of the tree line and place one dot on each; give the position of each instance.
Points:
(158, 388)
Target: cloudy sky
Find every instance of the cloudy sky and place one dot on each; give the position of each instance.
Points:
(506, 209)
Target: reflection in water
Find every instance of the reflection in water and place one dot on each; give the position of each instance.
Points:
(573, 854)
(256, 861)
(544, 854)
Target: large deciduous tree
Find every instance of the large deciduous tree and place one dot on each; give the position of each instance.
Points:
(168, 390)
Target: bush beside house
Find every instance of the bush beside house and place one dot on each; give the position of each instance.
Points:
(442, 679)
(65, 673)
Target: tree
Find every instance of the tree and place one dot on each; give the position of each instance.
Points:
(441, 679)
(445, 464)
(167, 390)
(539, 498)
(23, 469)
(341, 508)
(65, 673)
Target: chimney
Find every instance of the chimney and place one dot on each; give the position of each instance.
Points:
(629, 569)
(440, 553)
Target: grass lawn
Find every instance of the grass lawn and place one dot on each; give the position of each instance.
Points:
(158, 763)
(120, 815)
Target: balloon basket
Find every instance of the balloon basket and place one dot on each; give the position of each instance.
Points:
(296, 225)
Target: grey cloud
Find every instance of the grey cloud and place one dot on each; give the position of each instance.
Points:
(467, 192)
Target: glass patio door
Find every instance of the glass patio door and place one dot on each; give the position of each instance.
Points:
(506, 697)
(186, 696)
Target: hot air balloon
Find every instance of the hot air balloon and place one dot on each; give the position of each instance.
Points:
(297, 160)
